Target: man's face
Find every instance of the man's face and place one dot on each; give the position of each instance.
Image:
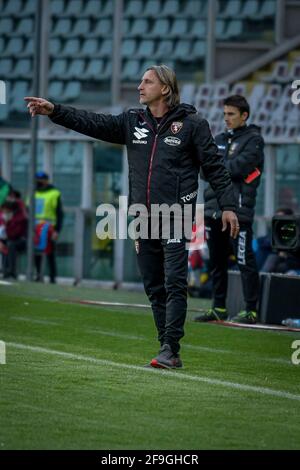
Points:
(151, 89)
(233, 117)
(41, 183)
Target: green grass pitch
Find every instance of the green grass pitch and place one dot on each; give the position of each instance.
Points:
(74, 378)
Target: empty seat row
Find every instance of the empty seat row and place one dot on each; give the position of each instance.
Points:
(81, 8)
(253, 9)
(186, 49)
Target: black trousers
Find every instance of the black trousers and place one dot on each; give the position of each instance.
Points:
(51, 261)
(220, 246)
(10, 260)
(163, 265)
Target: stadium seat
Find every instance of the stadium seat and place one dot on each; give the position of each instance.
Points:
(74, 8)
(72, 91)
(220, 28)
(14, 47)
(179, 27)
(198, 50)
(23, 68)
(25, 26)
(76, 69)
(71, 48)
(295, 71)
(126, 27)
(55, 90)
(6, 67)
(145, 49)
(249, 9)
(92, 8)
(94, 69)
(161, 28)
(280, 73)
(27, 51)
(198, 29)
(57, 7)
(140, 26)
(152, 9)
(131, 70)
(182, 50)
(12, 8)
(238, 89)
(107, 71)
(194, 9)
(62, 27)
(82, 27)
(29, 8)
(105, 48)
(164, 49)
(257, 94)
(103, 28)
(231, 10)
(108, 8)
(220, 91)
(20, 89)
(234, 29)
(55, 47)
(6, 25)
(128, 48)
(89, 48)
(58, 69)
(268, 9)
(170, 8)
(133, 8)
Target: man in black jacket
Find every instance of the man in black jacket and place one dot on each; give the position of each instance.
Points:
(167, 144)
(242, 150)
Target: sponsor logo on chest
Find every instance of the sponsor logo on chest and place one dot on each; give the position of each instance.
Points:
(140, 133)
(173, 141)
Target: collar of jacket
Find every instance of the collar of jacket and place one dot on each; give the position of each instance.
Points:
(179, 112)
(233, 133)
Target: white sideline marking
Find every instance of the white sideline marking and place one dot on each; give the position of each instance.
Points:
(116, 335)
(176, 375)
(189, 346)
(30, 320)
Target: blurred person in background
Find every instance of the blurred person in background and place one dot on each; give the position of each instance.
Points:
(14, 229)
(241, 146)
(5, 189)
(167, 144)
(49, 221)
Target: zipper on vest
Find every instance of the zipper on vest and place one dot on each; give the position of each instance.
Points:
(150, 170)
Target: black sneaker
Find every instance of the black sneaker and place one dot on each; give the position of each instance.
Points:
(245, 316)
(166, 359)
(213, 314)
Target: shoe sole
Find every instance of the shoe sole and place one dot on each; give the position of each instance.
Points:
(159, 365)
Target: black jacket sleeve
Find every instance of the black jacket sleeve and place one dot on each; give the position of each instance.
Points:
(59, 215)
(245, 162)
(100, 126)
(212, 166)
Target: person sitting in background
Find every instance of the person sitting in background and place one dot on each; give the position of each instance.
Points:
(15, 224)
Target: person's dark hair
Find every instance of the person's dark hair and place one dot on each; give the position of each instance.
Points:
(239, 102)
(9, 205)
(167, 77)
